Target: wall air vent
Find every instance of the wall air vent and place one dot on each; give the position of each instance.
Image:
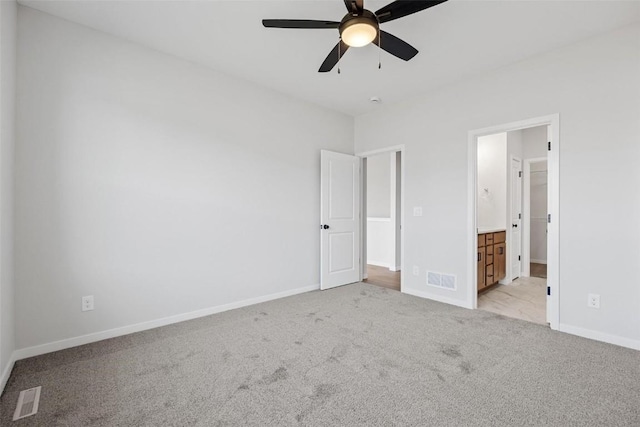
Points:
(27, 403)
(441, 280)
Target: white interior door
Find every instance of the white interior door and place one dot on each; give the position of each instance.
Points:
(550, 259)
(340, 219)
(516, 218)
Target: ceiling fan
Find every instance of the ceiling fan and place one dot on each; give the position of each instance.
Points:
(359, 27)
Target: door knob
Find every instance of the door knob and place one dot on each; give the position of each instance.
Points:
(514, 225)
(326, 227)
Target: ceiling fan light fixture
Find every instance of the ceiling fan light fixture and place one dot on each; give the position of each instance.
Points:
(360, 30)
(359, 34)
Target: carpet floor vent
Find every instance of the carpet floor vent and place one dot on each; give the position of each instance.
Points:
(440, 280)
(27, 403)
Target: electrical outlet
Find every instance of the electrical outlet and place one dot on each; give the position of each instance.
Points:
(417, 211)
(416, 270)
(593, 301)
(87, 303)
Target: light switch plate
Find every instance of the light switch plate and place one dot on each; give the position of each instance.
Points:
(417, 211)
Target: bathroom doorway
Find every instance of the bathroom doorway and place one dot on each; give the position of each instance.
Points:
(514, 249)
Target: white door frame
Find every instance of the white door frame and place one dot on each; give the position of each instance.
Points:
(510, 274)
(553, 237)
(363, 207)
(526, 214)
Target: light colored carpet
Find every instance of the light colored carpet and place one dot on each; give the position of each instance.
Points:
(356, 355)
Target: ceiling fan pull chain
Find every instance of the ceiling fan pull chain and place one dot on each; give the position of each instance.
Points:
(339, 46)
(379, 51)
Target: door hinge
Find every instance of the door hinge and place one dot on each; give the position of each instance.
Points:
(549, 218)
(519, 174)
(519, 216)
(549, 290)
(518, 257)
(549, 146)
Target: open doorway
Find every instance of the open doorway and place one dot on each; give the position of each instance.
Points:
(382, 206)
(515, 245)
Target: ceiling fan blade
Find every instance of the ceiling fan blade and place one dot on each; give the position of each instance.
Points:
(299, 23)
(333, 58)
(395, 46)
(359, 5)
(401, 8)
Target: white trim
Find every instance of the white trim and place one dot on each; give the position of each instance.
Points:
(364, 225)
(395, 196)
(438, 298)
(379, 264)
(377, 219)
(363, 204)
(553, 233)
(538, 261)
(553, 239)
(372, 153)
(7, 372)
(600, 336)
(138, 327)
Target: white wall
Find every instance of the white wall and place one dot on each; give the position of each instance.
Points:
(8, 20)
(538, 194)
(514, 145)
(380, 234)
(534, 142)
(595, 87)
(380, 242)
(158, 186)
(492, 181)
(379, 186)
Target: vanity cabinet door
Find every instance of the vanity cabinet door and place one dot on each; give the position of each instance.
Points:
(500, 261)
(481, 268)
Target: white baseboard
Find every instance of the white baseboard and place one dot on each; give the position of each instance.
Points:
(538, 261)
(392, 268)
(600, 336)
(6, 373)
(439, 298)
(37, 350)
(378, 263)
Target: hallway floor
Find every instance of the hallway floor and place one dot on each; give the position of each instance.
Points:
(525, 298)
(382, 276)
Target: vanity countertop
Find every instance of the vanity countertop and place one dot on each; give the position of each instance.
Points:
(490, 230)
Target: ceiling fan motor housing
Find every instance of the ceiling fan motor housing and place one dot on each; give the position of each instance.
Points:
(365, 18)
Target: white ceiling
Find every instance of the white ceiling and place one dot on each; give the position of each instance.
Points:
(456, 40)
